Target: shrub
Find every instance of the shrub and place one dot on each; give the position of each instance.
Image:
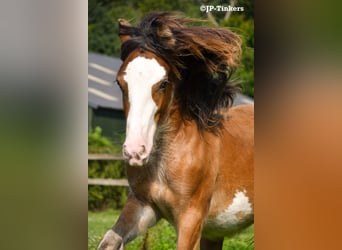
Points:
(103, 197)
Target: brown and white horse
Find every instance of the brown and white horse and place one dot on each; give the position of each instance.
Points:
(189, 156)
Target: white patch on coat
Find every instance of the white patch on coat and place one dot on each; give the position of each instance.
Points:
(235, 215)
(141, 74)
(237, 210)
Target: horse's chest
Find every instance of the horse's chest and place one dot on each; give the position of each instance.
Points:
(164, 199)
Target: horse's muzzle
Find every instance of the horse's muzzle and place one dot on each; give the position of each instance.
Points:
(135, 156)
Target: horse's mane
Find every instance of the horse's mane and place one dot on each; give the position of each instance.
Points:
(202, 60)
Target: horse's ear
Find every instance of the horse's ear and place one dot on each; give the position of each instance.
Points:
(123, 23)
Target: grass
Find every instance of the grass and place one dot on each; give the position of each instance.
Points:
(161, 237)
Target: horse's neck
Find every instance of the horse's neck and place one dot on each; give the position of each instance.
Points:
(175, 134)
(175, 141)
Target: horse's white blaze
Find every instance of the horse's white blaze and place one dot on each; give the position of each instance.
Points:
(141, 74)
(237, 211)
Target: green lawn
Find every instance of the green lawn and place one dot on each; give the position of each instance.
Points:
(161, 237)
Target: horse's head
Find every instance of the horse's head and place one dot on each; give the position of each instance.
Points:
(144, 81)
(162, 58)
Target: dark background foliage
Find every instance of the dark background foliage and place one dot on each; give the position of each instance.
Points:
(103, 197)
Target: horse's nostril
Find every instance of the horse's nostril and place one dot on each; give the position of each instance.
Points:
(136, 156)
(137, 153)
(142, 149)
(125, 152)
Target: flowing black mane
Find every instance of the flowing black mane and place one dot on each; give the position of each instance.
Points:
(202, 60)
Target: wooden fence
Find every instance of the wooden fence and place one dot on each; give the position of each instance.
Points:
(107, 182)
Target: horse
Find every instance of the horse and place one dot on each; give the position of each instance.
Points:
(189, 154)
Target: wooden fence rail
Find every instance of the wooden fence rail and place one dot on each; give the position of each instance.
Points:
(107, 182)
(103, 157)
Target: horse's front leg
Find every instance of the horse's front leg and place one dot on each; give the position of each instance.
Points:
(189, 228)
(136, 217)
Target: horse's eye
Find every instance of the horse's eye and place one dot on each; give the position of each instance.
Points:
(163, 84)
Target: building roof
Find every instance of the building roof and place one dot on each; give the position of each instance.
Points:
(104, 92)
(242, 99)
(102, 89)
